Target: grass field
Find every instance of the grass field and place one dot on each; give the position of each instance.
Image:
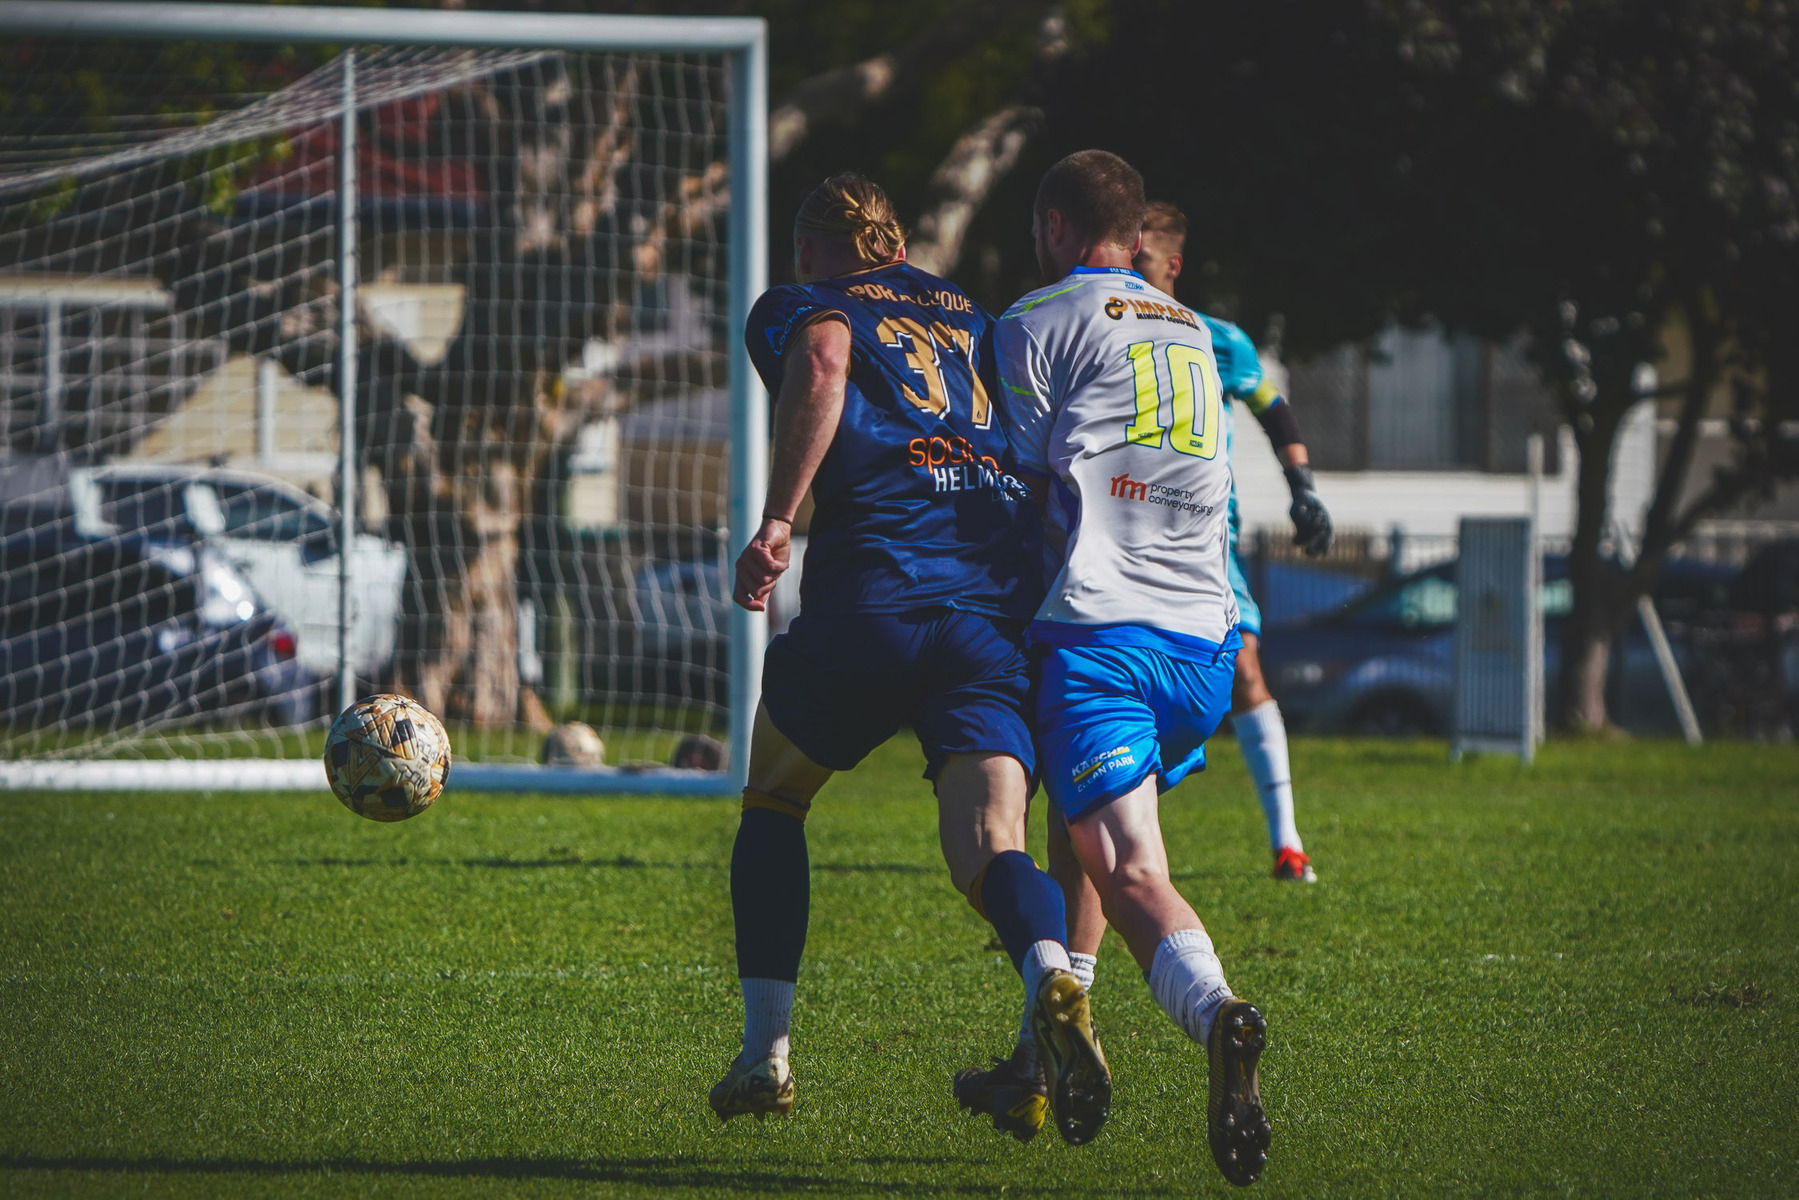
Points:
(1580, 978)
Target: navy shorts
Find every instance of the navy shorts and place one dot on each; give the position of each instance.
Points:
(839, 684)
(1111, 716)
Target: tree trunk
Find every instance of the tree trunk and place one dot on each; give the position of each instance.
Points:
(1594, 619)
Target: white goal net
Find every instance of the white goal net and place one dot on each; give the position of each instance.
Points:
(511, 244)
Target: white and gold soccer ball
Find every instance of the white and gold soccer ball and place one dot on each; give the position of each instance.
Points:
(387, 757)
(574, 744)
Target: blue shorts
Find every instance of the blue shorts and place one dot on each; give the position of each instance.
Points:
(1109, 716)
(1249, 613)
(839, 684)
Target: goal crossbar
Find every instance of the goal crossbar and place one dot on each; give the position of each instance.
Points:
(743, 42)
(375, 26)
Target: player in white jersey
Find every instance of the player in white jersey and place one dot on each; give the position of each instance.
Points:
(1113, 396)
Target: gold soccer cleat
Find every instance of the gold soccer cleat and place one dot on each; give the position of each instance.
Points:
(1080, 1083)
(759, 1089)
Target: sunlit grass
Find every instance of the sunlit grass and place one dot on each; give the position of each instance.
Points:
(1580, 978)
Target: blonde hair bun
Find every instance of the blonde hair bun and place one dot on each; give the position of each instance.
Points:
(847, 205)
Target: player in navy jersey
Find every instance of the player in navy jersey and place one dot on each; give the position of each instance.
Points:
(924, 564)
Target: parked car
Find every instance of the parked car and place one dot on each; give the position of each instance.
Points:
(284, 541)
(120, 629)
(1751, 684)
(1383, 663)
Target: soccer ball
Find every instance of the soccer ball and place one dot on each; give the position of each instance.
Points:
(387, 758)
(573, 744)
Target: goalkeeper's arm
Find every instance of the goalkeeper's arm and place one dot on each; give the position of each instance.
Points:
(1311, 522)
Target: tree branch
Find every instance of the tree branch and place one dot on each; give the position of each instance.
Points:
(839, 96)
(1658, 525)
(980, 158)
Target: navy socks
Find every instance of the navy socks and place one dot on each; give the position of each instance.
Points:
(1022, 903)
(771, 894)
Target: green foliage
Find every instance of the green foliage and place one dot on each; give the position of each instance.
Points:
(1573, 979)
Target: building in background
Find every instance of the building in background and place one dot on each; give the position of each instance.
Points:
(1419, 428)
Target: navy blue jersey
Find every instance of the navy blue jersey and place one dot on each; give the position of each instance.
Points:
(916, 502)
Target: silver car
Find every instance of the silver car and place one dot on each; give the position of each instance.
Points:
(282, 540)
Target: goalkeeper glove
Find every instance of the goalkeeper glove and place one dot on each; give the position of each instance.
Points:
(1311, 523)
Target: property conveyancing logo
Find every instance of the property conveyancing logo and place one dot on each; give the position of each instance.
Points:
(1126, 488)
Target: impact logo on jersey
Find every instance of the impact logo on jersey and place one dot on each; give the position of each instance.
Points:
(1152, 310)
(1115, 308)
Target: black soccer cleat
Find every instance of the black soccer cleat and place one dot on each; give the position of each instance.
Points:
(1236, 1125)
(1080, 1083)
(1016, 1100)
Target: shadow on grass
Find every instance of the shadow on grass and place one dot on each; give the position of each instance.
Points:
(671, 1171)
(623, 862)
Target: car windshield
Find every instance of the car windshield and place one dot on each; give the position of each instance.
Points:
(153, 506)
(267, 515)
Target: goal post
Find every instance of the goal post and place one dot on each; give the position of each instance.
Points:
(382, 349)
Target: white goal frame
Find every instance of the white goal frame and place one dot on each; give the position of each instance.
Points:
(744, 41)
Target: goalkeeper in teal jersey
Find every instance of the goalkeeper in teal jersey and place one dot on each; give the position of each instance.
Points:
(1261, 734)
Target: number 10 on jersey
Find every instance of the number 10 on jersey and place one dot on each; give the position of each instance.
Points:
(1198, 407)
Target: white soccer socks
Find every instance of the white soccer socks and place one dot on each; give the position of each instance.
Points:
(1187, 980)
(1083, 966)
(1042, 958)
(1262, 736)
(767, 1016)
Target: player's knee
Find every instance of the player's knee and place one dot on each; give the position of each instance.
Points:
(760, 800)
(1248, 687)
(1134, 878)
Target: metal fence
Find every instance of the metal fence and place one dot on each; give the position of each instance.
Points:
(1361, 641)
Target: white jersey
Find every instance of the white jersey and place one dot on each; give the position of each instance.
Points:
(1112, 391)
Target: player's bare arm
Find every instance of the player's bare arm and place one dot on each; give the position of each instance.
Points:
(806, 415)
(1159, 258)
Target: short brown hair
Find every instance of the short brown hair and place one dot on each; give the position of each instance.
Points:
(1162, 219)
(849, 206)
(1099, 193)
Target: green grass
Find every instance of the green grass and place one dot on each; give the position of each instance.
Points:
(1579, 979)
